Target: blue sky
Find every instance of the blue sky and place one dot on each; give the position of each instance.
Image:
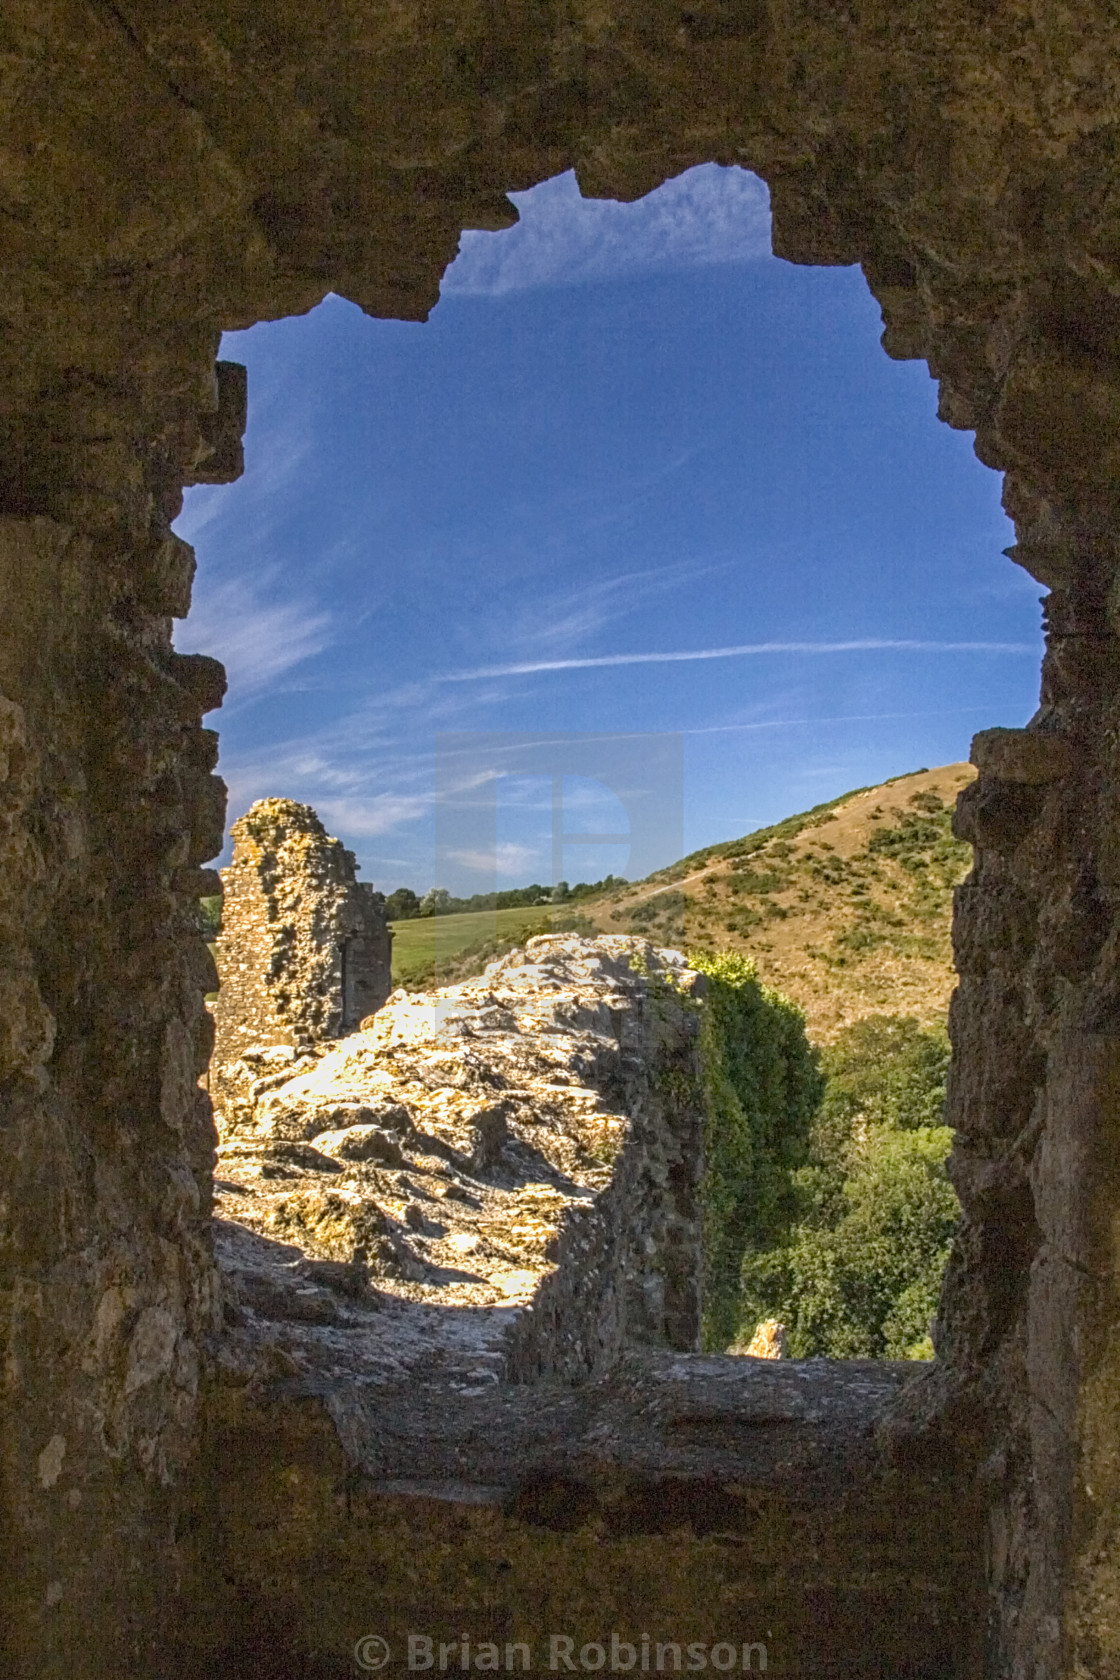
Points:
(634, 476)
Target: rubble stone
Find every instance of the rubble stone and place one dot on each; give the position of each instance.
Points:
(768, 1341)
(538, 1151)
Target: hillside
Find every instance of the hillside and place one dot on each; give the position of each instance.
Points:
(845, 908)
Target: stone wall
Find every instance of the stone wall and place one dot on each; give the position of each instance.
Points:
(304, 954)
(169, 173)
(518, 1156)
(706, 1501)
(107, 807)
(460, 1251)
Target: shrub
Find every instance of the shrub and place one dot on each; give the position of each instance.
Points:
(888, 1068)
(860, 1272)
(867, 1286)
(761, 1089)
(663, 914)
(756, 881)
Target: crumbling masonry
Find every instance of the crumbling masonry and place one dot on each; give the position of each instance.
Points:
(305, 951)
(171, 172)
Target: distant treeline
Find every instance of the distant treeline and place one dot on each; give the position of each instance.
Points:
(403, 904)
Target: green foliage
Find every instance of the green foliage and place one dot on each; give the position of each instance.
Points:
(757, 881)
(860, 1272)
(887, 1070)
(831, 871)
(210, 910)
(402, 905)
(913, 835)
(923, 841)
(761, 1089)
(660, 916)
(436, 901)
(860, 937)
(589, 889)
(866, 1287)
(743, 920)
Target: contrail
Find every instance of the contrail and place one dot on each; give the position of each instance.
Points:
(816, 722)
(743, 651)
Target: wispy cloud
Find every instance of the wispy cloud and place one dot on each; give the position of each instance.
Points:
(508, 857)
(707, 215)
(380, 813)
(257, 640)
(570, 616)
(744, 650)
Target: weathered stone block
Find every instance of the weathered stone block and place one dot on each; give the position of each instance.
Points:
(1031, 756)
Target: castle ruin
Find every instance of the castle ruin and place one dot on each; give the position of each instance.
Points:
(170, 173)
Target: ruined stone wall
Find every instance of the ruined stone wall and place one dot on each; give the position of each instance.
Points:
(1030, 1307)
(168, 173)
(304, 953)
(460, 1391)
(520, 1156)
(107, 808)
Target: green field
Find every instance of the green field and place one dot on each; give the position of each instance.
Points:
(437, 950)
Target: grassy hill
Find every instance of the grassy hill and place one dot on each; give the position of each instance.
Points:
(844, 908)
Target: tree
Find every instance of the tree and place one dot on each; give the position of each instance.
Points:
(761, 1090)
(437, 900)
(860, 1272)
(402, 905)
(890, 1069)
(866, 1287)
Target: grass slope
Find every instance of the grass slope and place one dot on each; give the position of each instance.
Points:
(845, 908)
(438, 950)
